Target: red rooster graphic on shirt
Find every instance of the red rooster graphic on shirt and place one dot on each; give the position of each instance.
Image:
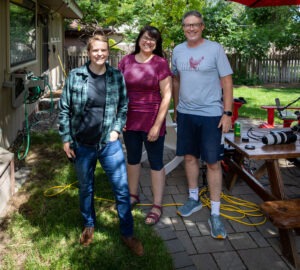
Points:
(194, 63)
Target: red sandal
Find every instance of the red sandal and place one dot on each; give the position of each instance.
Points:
(136, 201)
(154, 216)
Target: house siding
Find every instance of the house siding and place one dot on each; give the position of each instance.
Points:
(12, 119)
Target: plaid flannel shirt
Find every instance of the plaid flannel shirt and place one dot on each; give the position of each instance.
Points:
(74, 97)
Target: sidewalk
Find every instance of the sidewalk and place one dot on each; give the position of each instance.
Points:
(189, 241)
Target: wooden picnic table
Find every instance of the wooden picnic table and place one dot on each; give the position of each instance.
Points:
(270, 154)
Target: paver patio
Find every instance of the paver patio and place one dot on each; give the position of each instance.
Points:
(189, 240)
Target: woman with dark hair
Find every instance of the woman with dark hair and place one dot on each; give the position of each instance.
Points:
(149, 86)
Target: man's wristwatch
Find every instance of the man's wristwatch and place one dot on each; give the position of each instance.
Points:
(228, 113)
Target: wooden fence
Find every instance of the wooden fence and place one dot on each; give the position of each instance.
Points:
(276, 68)
(77, 59)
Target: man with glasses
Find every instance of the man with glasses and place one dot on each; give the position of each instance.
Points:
(203, 112)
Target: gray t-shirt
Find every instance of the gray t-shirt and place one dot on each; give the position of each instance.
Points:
(200, 70)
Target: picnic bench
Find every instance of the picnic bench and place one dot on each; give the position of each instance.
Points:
(275, 199)
(284, 214)
(288, 115)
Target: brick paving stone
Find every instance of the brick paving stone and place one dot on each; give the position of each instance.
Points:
(259, 239)
(179, 172)
(191, 228)
(192, 267)
(147, 191)
(275, 244)
(241, 241)
(171, 190)
(166, 221)
(168, 199)
(185, 239)
(239, 227)
(293, 192)
(166, 233)
(268, 230)
(207, 244)
(229, 261)
(240, 183)
(182, 260)
(203, 227)
(204, 262)
(262, 259)
(179, 198)
(170, 211)
(178, 223)
(174, 246)
(237, 191)
(253, 198)
(202, 215)
(196, 217)
(175, 181)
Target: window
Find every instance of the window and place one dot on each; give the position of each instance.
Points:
(22, 36)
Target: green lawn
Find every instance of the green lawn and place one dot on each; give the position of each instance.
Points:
(258, 96)
(43, 232)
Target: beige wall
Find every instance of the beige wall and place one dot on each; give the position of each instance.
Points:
(2, 62)
(12, 119)
(56, 36)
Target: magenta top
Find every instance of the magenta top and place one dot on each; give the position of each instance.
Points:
(142, 83)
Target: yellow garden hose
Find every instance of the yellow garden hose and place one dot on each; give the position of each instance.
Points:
(240, 208)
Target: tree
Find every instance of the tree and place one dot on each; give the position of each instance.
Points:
(163, 14)
(249, 32)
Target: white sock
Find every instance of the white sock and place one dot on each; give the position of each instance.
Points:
(194, 193)
(215, 208)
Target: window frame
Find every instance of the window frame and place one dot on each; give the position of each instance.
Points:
(25, 63)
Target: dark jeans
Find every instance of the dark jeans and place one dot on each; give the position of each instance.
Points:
(112, 160)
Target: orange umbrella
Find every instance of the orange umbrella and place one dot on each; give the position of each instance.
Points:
(267, 3)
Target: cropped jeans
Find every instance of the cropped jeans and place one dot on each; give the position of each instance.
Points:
(111, 158)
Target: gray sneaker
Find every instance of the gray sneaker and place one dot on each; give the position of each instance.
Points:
(191, 206)
(217, 229)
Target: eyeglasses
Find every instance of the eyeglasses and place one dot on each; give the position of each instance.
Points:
(148, 39)
(191, 25)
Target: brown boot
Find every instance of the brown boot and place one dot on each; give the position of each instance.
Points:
(134, 245)
(87, 236)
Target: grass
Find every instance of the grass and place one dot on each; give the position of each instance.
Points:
(43, 232)
(258, 96)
